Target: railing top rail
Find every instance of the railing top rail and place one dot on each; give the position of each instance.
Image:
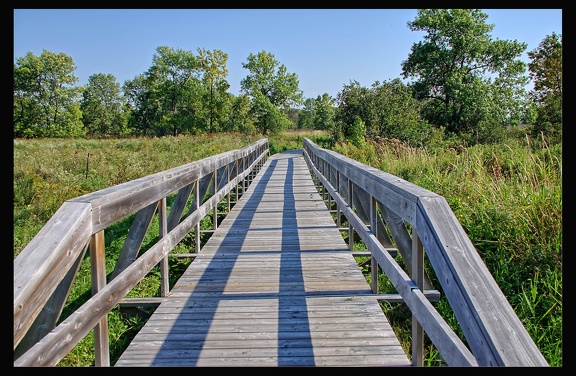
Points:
(400, 195)
(113, 203)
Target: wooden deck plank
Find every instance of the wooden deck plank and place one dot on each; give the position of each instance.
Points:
(275, 285)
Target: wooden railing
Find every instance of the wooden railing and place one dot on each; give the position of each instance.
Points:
(389, 213)
(46, 267)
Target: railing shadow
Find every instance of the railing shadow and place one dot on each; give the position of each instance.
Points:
(210, 293)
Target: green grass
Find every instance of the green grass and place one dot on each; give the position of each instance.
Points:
(508, 198)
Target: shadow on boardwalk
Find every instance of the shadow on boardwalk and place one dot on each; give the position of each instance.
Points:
(274, 286)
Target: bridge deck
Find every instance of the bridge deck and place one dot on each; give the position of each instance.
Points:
(275, 285)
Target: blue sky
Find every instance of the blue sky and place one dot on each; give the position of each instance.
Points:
(326, 48)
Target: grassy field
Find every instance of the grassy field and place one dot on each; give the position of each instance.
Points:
(508, 198)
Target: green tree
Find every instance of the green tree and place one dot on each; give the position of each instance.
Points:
(46, 100)
(175, 90)
(269, 119)
(353, 101)
(103, 107)
(272, 90)
(324, 112)
(143, 107)
(357, 133)
(307, 114)
(387, 109)
(180, 93)
(469, 81)
(546, 72)
(241, 118)
(293, 115)
(213, 66)
(397, 113)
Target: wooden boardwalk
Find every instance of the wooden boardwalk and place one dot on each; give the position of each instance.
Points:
(275, 285)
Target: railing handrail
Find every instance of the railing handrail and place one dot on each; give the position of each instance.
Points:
(492, 329)
(48, 263)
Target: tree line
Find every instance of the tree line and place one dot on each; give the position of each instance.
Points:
(461, 83)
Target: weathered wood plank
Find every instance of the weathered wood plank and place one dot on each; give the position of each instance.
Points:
(45, 262)
(135, 237)
(488, 317)
(274, 286)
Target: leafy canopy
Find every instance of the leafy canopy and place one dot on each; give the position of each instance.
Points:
(546, 71)
(467, 79)
(272, 90)
(46, 104)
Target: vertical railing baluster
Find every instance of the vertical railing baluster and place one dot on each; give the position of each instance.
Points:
(323, 190)
(196, 206)
(418, 278)
(374, 229)
(227, 172)
(98, 271)
(215, 210)
(338, 214)
(237, 167)
(245, 180)
(164, 272)
(329, 180)
(350, 228)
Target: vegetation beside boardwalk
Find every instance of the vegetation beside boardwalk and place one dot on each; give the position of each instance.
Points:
(465, 127)
(508, 198)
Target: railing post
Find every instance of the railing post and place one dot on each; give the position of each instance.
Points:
(164, 269)
(98, 271)
(228, 181)
(350, 228)
(215, 210)
(328, 193)
(418, 278)
(251, 174)
(245, 180)
(374, 229)
(338, 214)
(237, 167)
(322, 187)
(196, 206)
